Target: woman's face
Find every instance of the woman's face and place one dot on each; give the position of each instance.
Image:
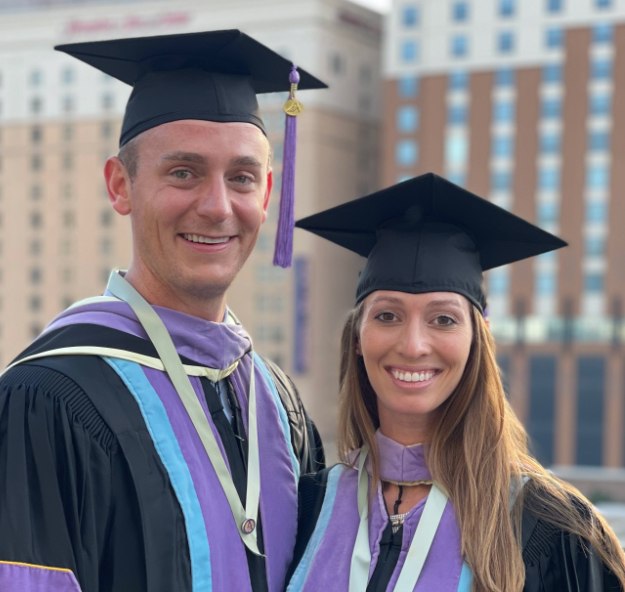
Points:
(415, 348)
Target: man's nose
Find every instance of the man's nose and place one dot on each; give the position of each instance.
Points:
(214, 200)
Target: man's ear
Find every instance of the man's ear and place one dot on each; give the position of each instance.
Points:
(267, 192)
(118, 185)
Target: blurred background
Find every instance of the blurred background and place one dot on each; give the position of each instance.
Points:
(522, 102)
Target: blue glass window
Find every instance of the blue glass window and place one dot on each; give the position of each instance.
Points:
(601, 68)
(554, 37)
(503, 111)
(602, 33)
(593, 282)
(457, 177)
(597, 177)
(595, 246)
(408, 87)
(505, 41)
(550, 108)
(549, 179)
(553, 6)
(596, 211)
(552, 73)
(407, 119)
(548, 212)
(599, 140)
(460, 12)
(456, 150)
(458, 80)
(409, 50)
(550, 143)
(498, 282)
(457, 114)
(500, 180)
(600, 104)
(507, 7)
(503, 146)
(545, 283)
(406, 153)
(504, 77)
(459, 46)
(603, 3)
(409, 16)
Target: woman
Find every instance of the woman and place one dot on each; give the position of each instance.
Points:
(437, 489)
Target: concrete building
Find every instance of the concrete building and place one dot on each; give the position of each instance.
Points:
(522, 102)
(59, 121)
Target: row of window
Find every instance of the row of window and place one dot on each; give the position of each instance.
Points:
(546, 283)
(504, 43)
(460, 11)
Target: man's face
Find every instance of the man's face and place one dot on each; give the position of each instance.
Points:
(197, 201)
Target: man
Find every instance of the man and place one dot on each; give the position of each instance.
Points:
(143, 445)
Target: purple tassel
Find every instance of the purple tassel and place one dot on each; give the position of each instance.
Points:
(283, 253)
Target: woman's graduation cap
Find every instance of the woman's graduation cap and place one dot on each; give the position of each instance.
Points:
(212, 76)
(429, 235)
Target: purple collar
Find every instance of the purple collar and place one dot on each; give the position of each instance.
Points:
(400, 463)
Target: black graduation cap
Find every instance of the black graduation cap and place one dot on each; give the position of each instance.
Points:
(429, 235)
(212, 76)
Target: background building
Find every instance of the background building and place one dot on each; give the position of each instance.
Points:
(522, 102)
(59, 121)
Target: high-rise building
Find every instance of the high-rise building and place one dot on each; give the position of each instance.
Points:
(522, 102)
(59, 121)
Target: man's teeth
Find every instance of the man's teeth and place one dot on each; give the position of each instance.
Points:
(196, 238)
(412, 376)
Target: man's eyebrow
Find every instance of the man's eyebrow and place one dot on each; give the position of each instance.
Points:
(193, 157)
(246, 161)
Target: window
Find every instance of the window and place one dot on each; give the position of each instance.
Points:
(459, 46)
(593, 282)
(36, 162)
(554, 6)
(36, 77)
(67, 75)
(548, 212)
(35, 134)
(603, 4)
(36, 105)
(106, 217)
(35, 192)
(602, 33)
(505, 42)
(596, 211)
(460, 12)
(68, 161)
(542, 406)
(503, 111)
(597, 177)
(550, 143)
(336, 63)
(503, 146)
(595, 246)
(408, 87)
(549, 179)
(550, 108)
(409, 51)
(591, 380)
(456, 150)
(457, 115)
(545, 283)
(498, 282)
(406, 153)
(601, 68)
(554, 37)
(35, 275)
(68, 104)
(507, 8)
(458, 80)
(504, 77)
(599, 140)
(409, 16)
(600, 104)
(500, 180)
(552, 73)
(107, 101)
(407, 119)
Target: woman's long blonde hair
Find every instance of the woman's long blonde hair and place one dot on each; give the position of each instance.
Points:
(478, 449)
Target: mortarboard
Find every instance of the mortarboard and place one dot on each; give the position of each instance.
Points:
(212, 76)
(427, 234)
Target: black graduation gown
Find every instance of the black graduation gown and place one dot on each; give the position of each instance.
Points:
(83, 487)
(555, 561)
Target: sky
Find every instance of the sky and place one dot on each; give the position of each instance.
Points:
(379, 5)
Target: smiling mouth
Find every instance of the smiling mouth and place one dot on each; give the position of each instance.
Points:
(413, 376)
(205, 240)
